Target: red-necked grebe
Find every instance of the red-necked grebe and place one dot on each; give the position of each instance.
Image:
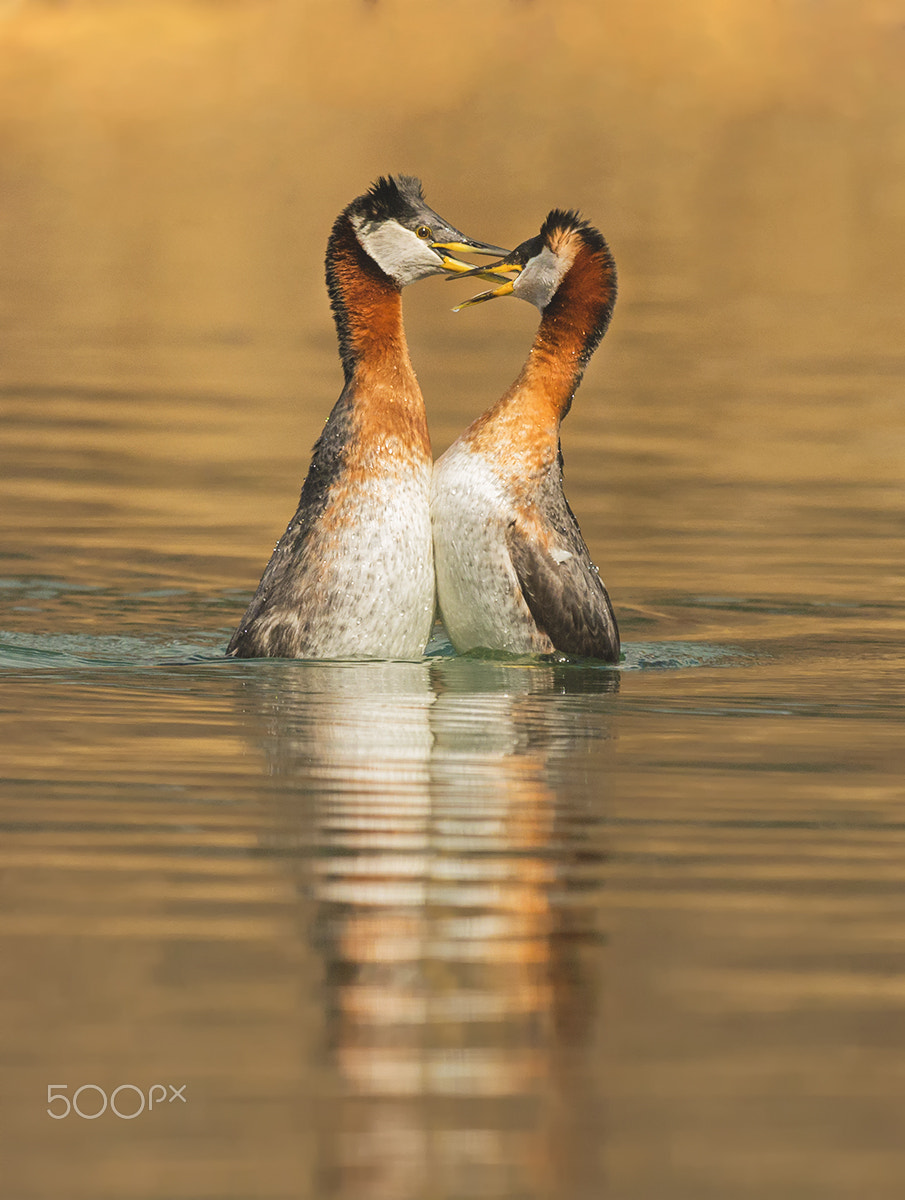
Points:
(513, 572)
(353, 576)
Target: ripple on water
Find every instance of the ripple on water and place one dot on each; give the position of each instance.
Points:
(62, 651)
(22, 651)
(161, 610)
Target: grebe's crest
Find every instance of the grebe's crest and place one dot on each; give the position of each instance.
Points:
(565, 230)
(390, 198)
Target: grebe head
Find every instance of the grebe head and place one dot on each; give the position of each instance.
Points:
(405, 237)
(542, 263)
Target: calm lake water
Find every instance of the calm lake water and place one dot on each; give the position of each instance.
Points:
(460, 927)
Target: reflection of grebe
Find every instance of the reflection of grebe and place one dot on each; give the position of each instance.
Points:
(513, 572)
(449, 872)
(352, 576)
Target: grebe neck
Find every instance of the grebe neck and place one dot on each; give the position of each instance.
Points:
(572, 326)
(367, 308)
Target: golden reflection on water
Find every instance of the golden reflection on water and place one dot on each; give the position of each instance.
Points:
(455, 906)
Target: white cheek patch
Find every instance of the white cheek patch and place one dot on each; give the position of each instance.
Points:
(538, 282)
(398, 252)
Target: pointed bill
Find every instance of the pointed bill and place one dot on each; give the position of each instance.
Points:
(463, 245)
(505, 289)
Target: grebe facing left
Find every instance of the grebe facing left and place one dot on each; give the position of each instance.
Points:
(353, 576)
(513, 572)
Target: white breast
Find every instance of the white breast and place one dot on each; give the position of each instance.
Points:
(373, 594)
(478, 592)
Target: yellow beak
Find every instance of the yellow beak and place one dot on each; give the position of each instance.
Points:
(504, 289)
(470, 248)
(452, 264)
(449, 248)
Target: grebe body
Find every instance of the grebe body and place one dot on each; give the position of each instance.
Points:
(353, 576)
(513, 571)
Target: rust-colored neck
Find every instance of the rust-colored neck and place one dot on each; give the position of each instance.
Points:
(366, 303)
(570, 329)
(367, 309)
(523, 426)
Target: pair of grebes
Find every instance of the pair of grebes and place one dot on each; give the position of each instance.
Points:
(382, 536)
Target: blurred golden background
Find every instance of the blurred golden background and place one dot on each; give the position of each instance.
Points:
(169, 173)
